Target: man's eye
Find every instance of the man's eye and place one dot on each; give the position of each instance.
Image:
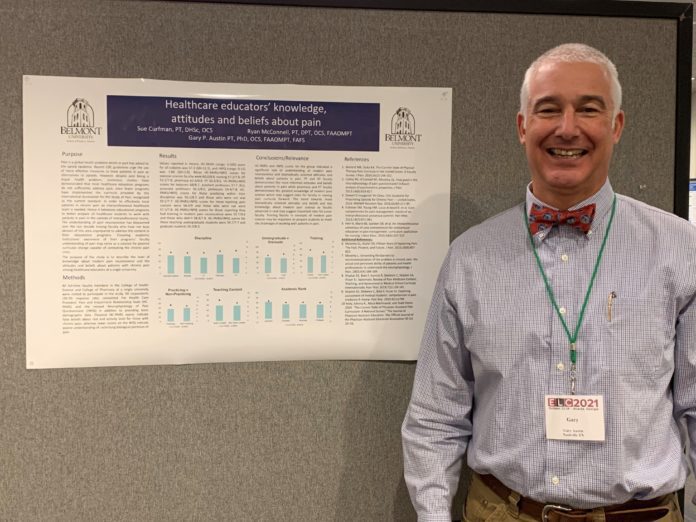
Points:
(589, 110)
(547, 110)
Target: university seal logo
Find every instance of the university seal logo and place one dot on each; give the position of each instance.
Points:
(80, 114)
(403, 122)
(80, 121)
(403, 128)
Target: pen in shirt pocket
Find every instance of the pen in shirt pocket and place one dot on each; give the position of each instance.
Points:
(610, 304)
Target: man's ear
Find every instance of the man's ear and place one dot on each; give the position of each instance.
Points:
(521, 132)
(617, 129)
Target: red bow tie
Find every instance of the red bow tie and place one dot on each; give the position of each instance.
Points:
(543, 218)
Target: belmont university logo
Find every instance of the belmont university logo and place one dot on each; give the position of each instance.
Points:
(403, 128)
(80, 120)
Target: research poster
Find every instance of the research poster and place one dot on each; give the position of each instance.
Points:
(173, 222)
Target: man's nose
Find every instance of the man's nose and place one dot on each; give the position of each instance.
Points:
(567, 125)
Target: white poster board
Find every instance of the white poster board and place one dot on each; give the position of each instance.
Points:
(180, 222)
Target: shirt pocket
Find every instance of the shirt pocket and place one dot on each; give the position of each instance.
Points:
(636, 337)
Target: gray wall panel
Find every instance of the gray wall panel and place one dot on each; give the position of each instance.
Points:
(273, 441)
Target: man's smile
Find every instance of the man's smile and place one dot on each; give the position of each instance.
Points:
(566, 153)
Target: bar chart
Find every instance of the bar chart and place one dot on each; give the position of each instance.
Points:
(282, 258)
(287, 311)
(271, 280)
(275, 263)
(225, 313)
(227, 306)
(203, 264)
(317, 268)
(175, 313)
(318, 258)
(179, 308)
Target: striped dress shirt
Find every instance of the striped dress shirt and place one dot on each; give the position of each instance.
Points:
(494, 346)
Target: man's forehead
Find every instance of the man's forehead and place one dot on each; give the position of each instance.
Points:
(562, 72)
(575, 79)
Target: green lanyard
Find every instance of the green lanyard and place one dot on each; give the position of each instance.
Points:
(574, 336)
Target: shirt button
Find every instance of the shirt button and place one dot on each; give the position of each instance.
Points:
(560, 367)
(589, 232)
(564, 258)
(555, 480)
(562, 310)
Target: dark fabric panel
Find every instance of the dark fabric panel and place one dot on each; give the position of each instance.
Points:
(273, 441)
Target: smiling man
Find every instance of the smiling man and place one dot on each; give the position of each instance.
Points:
(560, 347)
(569, 125)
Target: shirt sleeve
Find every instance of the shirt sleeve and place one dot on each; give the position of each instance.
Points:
(685, 375)
(437, 426)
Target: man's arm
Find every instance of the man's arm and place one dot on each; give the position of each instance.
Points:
(685, 375)
(437, 426)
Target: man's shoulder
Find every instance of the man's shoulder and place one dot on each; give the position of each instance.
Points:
(660, 220)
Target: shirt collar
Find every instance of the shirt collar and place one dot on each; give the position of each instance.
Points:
(602, 199)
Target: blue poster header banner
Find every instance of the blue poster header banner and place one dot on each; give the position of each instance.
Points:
(153, 121)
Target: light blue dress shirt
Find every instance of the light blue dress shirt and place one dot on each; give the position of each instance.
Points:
(493, 347)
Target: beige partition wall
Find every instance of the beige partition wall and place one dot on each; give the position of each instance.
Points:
(300, 441)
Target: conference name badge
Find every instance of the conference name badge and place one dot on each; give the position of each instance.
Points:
(574, 417)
